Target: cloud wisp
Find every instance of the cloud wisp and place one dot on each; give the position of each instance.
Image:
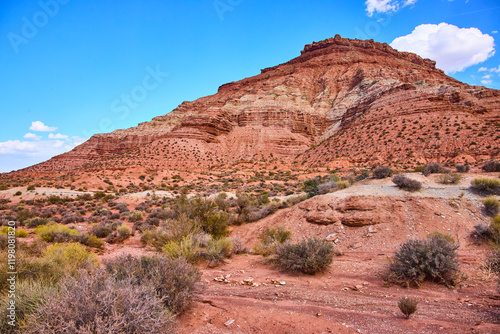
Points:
(39, 126)
(386, 6)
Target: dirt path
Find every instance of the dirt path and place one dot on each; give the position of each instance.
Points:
(349, 298)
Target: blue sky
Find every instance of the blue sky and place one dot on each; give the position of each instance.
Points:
(70, 68)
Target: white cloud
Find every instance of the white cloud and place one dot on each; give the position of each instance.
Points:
(57, 136)
(39, 126)
(409, 2)
(42, 148)
(32, 136)
(381, 6)
(494, 32)
(386, 6)
(16, 154)
(454, 49)
(491, 70)
(486, 82)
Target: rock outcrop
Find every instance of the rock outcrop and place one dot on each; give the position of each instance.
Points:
(341, 101)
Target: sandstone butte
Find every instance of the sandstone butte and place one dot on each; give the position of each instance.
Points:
(341, 102)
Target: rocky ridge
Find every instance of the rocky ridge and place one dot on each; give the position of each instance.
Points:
(341, 102)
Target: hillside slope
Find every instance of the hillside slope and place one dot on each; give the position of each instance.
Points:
(340, 102)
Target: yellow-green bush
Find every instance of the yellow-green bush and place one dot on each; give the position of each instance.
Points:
(55, 233)
(486, 185)
(491, 205)
(270, 239)
(218, 250)
(19, 232)
(186, 248)
(69, 258)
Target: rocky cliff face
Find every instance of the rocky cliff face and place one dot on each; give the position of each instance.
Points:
(341, 101)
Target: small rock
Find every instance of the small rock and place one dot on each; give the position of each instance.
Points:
(282, 283)
(229, 322)
(331, 237)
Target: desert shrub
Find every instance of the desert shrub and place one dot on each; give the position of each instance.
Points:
(142, 226)
(491, 206)
(135, 216)
(48, 266)
(90, 240)
(102, 305)
(433, 258)
(122, 207)
(327, 187)
(4, 242)
(18, 193)
(462, 168)
(270, 239)
(70, 258)
(308, 256)
(34, 222)
(207, 216)
(55, 233)
(343, 184)
(174, 279)
(482, 233)
(4, 230)
(99, 195)
(494, 229)
(491, 166)
(406, 183)
(70, 218)
(218, 250)
(101, 212)
(408, 306)
(238, 246)
(382, 172)
(31, 187)
(493, 261)
(160, 214)
(152, 221)
(291, 201)
(201, 238)
(437, 234)
(122, 232)
(215, 224)
(29, 296)
(155, 238)
(486, 185)
(450, 178)
(433, 168)
(101, 230)
(310, 186)
(262, 212)
(186, 248)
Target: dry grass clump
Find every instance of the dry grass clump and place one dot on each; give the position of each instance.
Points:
(491, 206)
(408, 306)
(486, 185)
(450, 178)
